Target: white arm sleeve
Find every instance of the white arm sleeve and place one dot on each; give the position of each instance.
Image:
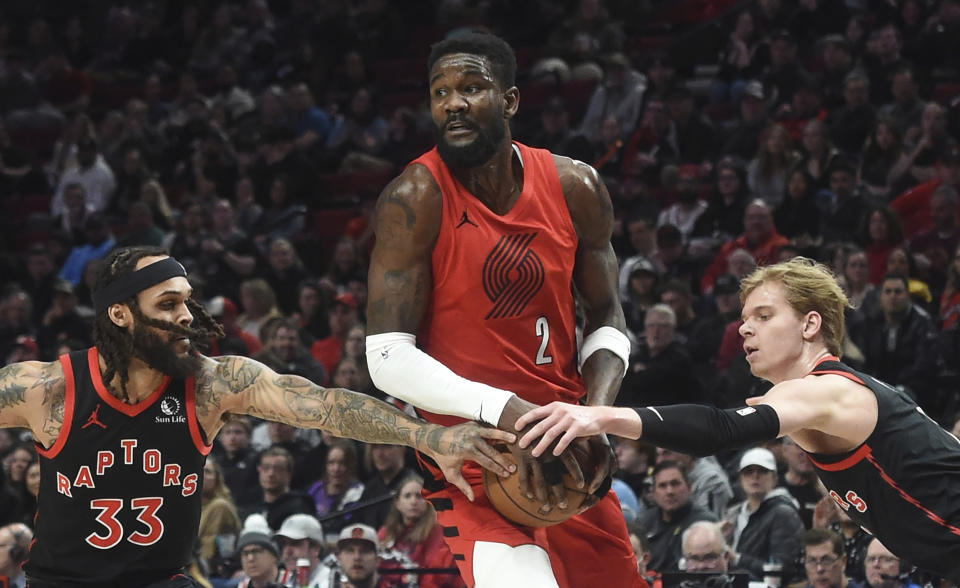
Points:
(403, 371)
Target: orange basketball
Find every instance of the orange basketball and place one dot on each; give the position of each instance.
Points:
(505, 495)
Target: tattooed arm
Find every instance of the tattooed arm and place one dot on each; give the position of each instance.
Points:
(32, 396)
(241, 385)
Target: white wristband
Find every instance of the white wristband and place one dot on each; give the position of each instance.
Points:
(608, 338)
(403, 371)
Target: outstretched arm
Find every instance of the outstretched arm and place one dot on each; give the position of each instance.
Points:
(32, 396)
(241, 385)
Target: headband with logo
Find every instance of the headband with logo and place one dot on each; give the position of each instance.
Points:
(129, 286)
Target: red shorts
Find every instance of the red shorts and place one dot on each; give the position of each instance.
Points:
(591, 549)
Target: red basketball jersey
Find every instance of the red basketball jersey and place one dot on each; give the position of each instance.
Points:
(502, 308)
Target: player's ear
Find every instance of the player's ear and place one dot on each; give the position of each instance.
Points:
(812, 321)
(120, 315)
(511, 102)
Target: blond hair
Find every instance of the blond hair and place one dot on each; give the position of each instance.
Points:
(809, 287)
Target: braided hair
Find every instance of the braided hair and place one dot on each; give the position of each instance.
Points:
(115, 343)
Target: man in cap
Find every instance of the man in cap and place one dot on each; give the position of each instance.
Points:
(343, 316)
(357, 554)
(301, 538)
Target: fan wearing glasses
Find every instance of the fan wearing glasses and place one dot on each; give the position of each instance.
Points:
(825, 560)
(885, 570)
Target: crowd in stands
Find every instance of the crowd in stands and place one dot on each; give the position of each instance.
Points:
(251, 137)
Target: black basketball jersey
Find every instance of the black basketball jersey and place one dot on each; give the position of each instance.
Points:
(120, 489)
(903, 483)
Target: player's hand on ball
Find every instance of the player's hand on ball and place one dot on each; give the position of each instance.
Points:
(561, 422)
(451, 446)
(543, 479)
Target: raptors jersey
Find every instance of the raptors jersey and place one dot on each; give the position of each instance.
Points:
(120, 488)
(502, 308)
(903, 483)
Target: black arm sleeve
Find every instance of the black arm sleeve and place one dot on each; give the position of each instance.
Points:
(705, 430)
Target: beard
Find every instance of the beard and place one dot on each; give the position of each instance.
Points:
(477, 152)
(158, 353)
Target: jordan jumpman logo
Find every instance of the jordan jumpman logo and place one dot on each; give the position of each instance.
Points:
(94, 420)
(465, 220)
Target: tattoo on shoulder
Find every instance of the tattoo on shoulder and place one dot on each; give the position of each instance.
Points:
(237, 374)
(53, 385)
(229, 375)
(409, 213)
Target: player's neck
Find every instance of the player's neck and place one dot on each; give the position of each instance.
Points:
(143, 381)
(809, 357)
(498, 182)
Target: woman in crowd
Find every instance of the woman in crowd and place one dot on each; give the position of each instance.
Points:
(411, 527)
(339, 486)
(767, 172)
(219, 522)
(880, 232)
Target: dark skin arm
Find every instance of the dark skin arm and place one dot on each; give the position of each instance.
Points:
(239, 385)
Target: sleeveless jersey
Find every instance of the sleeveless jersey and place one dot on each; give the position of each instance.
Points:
(502, 308)
(903, 483)
(120, 488)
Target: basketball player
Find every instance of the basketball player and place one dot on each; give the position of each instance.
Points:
(123, 428)
(891, 468)
(480, 243)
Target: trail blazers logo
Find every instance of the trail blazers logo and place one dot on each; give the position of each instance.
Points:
(512, 275)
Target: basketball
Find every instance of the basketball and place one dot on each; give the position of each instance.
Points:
(505, 495)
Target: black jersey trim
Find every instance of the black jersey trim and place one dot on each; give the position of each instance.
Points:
(69, 401)
(131, 410)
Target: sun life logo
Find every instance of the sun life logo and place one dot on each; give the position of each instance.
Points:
(170, 406)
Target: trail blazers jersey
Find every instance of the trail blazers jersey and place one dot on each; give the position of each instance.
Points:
(120, 488)
(502, 308)
(903, 483)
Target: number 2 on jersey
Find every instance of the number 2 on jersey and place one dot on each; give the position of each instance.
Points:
(543, 331)
(109, 507)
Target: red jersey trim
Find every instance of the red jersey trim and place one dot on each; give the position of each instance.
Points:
(69, 402)
(131, 410)
(903, 493)
(195, 433)
(847, 375)
(859, 455)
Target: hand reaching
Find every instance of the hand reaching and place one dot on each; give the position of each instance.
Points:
(451, 446)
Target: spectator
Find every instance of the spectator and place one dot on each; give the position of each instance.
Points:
(797, 216)
(284, 272)
(301, 537)
(238, 462)
(363, 135)
(278, 501)
(767, 172)
(91, 172)
(236, 341)
(248, 213)
(661, 372)
(285, 354)
(554, 132)
(704, 548)
(782, 74)
(259, 305)
(843, 206)
(411, 527)
(906, 108)
(285, 217)
(620, 96)
(851, 123)
(641, 238)
(76, 212)
(824, 560)
(801, 480)
(342, 317)
(883, 161)
(883, 61)
(838, 60)
(899, 347)
(346, 264)
(705, 342)
(694, 133)
(153, 195)
(311, 313)
(767, 525)
(260, 558)
(98, 242)
(38, 279)
(227, 255)
(723, 218)
(671, 514)
(302, 444)
(16, 463)
(856, 277)
(140, 228)
(950, 300)
(688, 207)
(880, 232)
(358, 558)
(709, 484)
(16, 538)
(386, 462)
(641, 295)
(653, 145)
(817, 153)
(883, 569)
(744, 135)
(900, 261)
(339, 486)
(936, 243)
(934, 146)
(634, 461)
(219, 521)
(739, 61)
(760, 238)
(62, 321)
